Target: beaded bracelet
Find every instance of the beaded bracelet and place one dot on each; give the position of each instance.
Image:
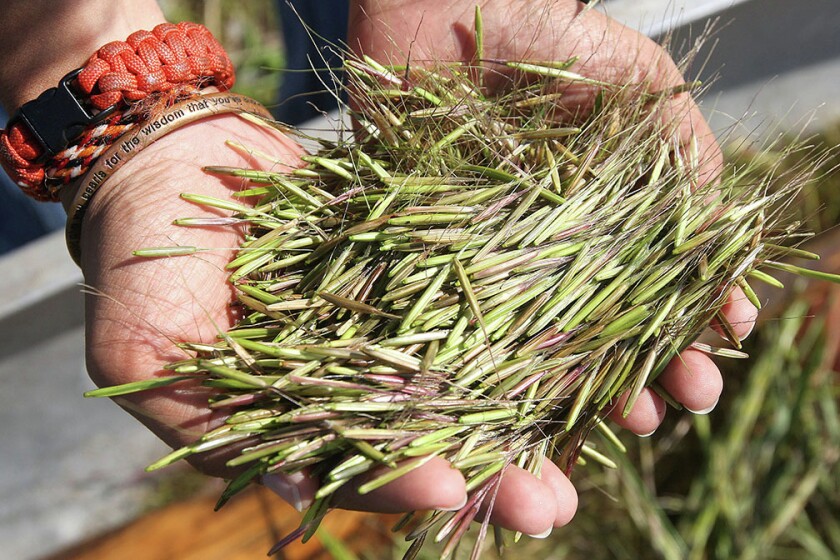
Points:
(143, 134)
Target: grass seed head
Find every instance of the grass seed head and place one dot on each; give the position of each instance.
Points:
(469, 279)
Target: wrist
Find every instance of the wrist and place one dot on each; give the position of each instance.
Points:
(55, 138)
(170, 118)
(141, 200)
(44, 39)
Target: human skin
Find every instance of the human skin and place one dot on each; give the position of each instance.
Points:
(138, 309)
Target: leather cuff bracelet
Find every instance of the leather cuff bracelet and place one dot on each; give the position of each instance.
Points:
(141, 136)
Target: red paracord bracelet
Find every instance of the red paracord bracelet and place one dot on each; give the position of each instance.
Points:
(117, 75)
(73, 162)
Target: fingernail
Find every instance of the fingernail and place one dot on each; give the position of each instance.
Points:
(286, 486)
(650, 433)
(456, 507)
(543, 535)
(703, 411)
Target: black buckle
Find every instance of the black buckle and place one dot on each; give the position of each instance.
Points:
(57, 116)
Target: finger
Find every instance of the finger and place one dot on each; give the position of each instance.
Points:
(621, 55)
(646, 415)
(525, 503)
(694, 381)
(564, 492)
(435, 485)
(296, 489)
(739, 312)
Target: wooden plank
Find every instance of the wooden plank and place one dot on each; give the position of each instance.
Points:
(246, 528)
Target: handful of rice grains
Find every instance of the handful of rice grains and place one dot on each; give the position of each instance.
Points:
(469, 279)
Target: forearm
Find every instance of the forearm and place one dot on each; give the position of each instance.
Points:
(45, 39)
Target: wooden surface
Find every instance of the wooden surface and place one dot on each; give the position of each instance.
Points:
(246, 528)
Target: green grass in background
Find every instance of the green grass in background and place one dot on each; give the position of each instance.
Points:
(251, 34)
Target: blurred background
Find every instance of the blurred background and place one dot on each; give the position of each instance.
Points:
(756, 479)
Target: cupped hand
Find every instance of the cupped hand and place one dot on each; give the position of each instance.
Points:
(138, 309)
(427, 31)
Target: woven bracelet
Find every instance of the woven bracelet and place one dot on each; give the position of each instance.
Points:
(73, 162)
(39, 148)
(141, 136)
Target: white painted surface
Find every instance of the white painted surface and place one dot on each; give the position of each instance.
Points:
(35, 272)
(69, 467)
(775, 63)
(655, 17)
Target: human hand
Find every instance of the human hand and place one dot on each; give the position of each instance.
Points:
(425, 31)
(138, 309)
